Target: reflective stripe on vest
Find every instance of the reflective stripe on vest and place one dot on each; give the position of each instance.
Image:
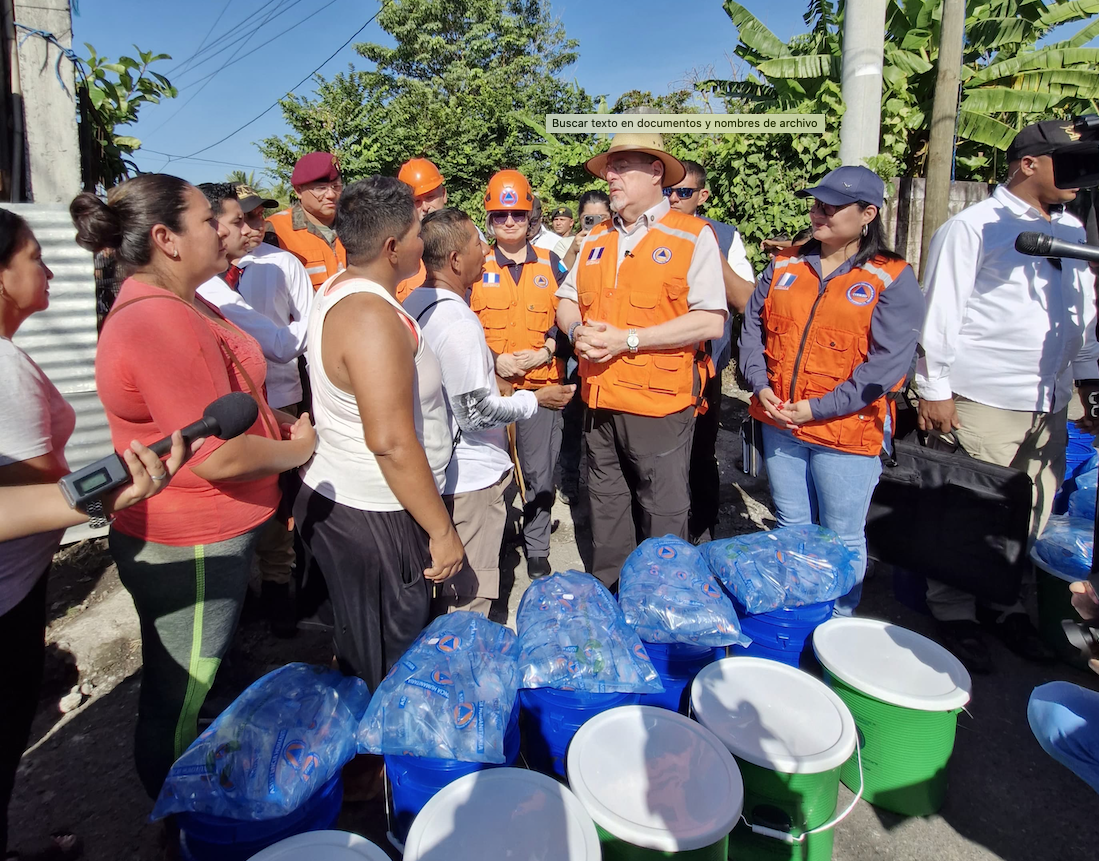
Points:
(814, 341)
(650, 287)
(318, 258)
(518, 316)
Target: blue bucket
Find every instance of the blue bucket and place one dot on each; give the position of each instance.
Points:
(781, 635)
(213, 838)
(414, 780)
(552, 717)
(677, 664)
(1078, 459)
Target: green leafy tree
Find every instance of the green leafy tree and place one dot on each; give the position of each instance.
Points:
(1008, 80)
(460, 84)
(110, 95)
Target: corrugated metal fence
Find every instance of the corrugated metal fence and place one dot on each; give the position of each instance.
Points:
(62, 339)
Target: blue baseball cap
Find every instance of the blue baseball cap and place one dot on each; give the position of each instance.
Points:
(848, 184)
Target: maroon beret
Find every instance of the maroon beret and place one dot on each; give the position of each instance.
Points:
(315, 167)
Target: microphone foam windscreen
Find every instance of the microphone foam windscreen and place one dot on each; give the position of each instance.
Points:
(234, 413)
(1030, 243)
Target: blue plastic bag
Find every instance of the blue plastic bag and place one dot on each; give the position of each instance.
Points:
(283, 738)
(450, 696)
(668, 594)
(793, 566)
(1066, 545)
(573, 636)
(1081, 502)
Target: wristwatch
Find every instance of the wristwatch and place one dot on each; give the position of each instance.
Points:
(572, 331)
(97, 517)
(632, 341)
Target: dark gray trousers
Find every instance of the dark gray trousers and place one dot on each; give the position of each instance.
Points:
(538, 443)
(638, 482)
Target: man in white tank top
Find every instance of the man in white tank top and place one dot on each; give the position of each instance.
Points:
(479, 472)
(370, 509)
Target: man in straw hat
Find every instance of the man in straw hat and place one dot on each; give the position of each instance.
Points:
(644, 295)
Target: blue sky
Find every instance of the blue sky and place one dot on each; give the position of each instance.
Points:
(624, 45)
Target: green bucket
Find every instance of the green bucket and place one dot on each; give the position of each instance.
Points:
(790, 735)
(656, 784)
(615, 849)
(1055, 604)
(904, 692)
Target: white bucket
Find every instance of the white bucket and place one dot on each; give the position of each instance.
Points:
(503, 813)
(322, 846)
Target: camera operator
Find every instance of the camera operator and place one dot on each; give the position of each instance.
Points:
(1004, 338)
(1065, 717)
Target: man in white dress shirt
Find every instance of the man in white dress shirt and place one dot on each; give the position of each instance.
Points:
(1004, 338)
(267, 293)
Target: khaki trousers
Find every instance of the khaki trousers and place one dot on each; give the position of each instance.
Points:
(479, 517)
(1031, 442)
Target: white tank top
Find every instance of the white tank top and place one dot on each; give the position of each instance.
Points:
(343, 468)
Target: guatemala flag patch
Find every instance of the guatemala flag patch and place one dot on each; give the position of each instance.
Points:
(594, 255)
(785, 281)
(491, 278)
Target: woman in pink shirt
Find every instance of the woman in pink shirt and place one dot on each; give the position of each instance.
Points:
(163, 356)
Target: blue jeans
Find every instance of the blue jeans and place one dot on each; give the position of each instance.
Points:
(816, 484)
(1065, 720)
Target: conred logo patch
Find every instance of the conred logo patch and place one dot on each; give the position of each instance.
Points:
(860, 294)
(662, 255)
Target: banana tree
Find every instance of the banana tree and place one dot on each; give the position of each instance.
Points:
(1008, 78)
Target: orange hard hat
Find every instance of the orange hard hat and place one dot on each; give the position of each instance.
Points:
(421, 174)
(509, 190)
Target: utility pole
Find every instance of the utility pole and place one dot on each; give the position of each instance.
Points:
(863, 47)
(944, 122)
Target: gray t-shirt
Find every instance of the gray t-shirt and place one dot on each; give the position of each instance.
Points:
(35, 421)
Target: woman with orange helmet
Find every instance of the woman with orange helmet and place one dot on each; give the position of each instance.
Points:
(517, 307)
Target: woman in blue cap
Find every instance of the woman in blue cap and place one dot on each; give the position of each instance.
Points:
(831, 330)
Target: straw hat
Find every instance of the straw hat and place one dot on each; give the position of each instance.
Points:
(647, 142)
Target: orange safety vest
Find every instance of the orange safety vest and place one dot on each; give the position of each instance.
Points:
(518, 316)
(409, 284)
(650, 287)
(814, 340)
(316, 255)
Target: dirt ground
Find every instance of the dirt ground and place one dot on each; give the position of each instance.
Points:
(1007, 799)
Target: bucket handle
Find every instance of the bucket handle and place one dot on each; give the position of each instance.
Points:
(389, 832)
(787, 837)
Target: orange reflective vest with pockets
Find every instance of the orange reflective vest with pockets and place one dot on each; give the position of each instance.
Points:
(518, 316)
(404, 288)
(814, 340)
(650, 287)
(321, 262)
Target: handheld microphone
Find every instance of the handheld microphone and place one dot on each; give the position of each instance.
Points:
(1044, 245)
(227, 417)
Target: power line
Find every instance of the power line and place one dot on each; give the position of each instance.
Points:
(259, 19)
(208, 32)
(172, 158)
(274, 104)
(226, 38)
(206, 80)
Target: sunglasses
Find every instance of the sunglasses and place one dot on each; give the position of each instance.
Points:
(685, 193)
(502, 217)
(829, 209)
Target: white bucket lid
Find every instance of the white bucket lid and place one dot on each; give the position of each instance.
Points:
(503, 813)
(322, 846)
(892, 664)
(774, 715)
(655, 779)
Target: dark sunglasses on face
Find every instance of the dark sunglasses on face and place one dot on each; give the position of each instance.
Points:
(829, 209)
(518, 217)
(684, 193)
